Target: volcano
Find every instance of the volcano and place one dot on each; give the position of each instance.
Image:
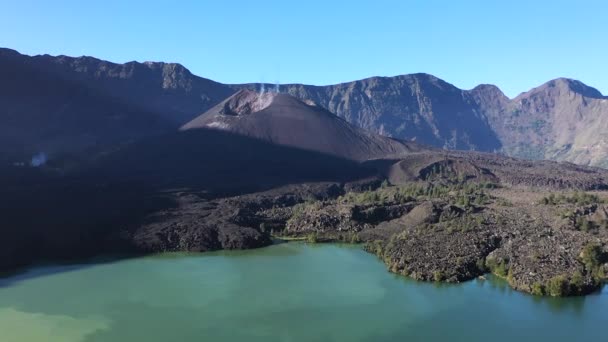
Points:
(285, 120)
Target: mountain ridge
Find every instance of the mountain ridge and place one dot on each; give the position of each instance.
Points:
(270, 85)
(561, 119)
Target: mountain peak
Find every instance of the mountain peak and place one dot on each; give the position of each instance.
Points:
(246, 102)
(8, 52)
(488, 89)
(578, 87)
(563, 84)
(285, 120)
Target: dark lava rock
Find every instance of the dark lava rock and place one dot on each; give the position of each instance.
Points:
(438, 255)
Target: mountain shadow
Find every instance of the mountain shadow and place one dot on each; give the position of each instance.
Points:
(46, 215)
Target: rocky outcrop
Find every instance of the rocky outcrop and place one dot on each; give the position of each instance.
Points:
(241, 222)
(439, 255)
(341, 217)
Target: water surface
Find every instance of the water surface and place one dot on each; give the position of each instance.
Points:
(287, 292)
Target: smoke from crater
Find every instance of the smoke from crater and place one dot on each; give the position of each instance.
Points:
(38, 159)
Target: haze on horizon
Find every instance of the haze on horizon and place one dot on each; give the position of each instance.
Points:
(516, 45)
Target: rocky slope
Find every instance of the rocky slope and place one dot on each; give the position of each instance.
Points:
(44, 112)
(418, 106)
(59, 105)
(561, 120)
(166, 89)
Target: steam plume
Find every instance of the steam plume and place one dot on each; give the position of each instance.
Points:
(38, 159)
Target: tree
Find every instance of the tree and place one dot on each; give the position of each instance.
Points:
(312, 237)
(384, 184)
(537, 289)
(591, 256)
(558, 286)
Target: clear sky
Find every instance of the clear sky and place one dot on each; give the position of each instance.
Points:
(514, 44)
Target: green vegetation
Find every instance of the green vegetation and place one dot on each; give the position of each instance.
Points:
(354, 238)
(577, 198)
(577, 282)
(376, 247)
(504, 202)
(299, 209)
(562, 285)
(583, 224)
(498, 267)
(444, 170)
(384, 184)
(312, 237)
(558, 286)
(438, 276)
(593, 257)
(349, 237)
(510, 276)
(464, 195)
(537, 289)
(464, 223)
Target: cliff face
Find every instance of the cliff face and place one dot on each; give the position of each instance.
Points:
(167, 89)
(418, 106)
(44, 111)
(561, 120)
(63, 105)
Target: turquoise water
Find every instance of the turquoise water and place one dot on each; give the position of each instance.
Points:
(287, 292)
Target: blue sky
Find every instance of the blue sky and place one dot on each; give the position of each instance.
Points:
(514, 44)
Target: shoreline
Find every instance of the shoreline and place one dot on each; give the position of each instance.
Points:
(57, 266)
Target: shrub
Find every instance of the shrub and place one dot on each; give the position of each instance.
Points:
(504, 202)
(584, 225)
(537, 289)
(312, 237)
(498, 267)
(578, 198)
(510, 275)
(567, 214)
(591, 256)
(438, 276)
(577, 282)
(558, 286)
(376, 247)
(354, 238)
